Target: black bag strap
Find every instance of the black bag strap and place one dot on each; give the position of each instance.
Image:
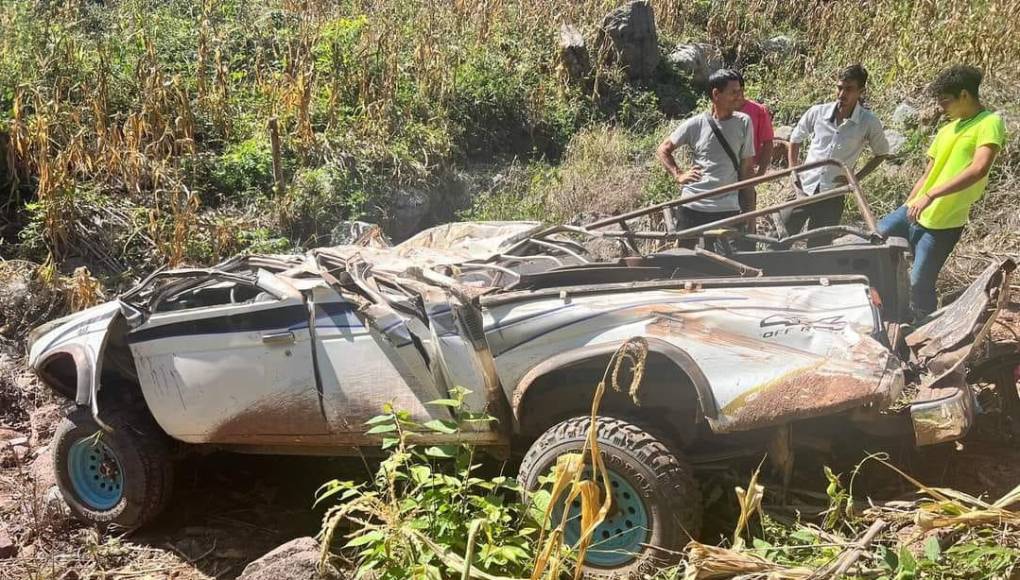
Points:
(722, 141)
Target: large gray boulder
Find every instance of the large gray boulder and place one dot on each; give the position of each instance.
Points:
(635, 42)
(906, 116)
(574, 58)
(783, 132)
(698, 60)
(779, 47)
(296, 560)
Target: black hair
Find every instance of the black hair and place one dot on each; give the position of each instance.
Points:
(723, 77)
(956, 79)
(856, 73)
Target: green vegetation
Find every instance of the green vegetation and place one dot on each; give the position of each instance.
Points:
(158, 111)
(427, 507)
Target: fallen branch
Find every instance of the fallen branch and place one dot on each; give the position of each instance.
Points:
(850, 557)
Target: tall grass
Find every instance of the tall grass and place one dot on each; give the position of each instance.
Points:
(148, 101)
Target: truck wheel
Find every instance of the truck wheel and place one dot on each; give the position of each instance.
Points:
(656, 501)
(122, 478)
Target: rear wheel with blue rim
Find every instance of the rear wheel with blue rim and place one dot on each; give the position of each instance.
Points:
(655, 500)
(122, 477)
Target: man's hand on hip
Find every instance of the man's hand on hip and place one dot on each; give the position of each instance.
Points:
(689, 176)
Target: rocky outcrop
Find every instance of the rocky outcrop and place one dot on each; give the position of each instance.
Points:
(635, 43)
(575, 62)
(698, 60)
(296, 560)
(906, 116)
(778, 47)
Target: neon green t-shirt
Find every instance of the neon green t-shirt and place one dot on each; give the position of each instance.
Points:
(952, 151)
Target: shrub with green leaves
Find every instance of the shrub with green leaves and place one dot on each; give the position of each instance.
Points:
(427, 509)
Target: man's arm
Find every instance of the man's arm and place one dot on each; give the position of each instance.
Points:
(748, 196)
(979, 167)
(871, 165)
(664, 153)
(801, 131)
(879, 148)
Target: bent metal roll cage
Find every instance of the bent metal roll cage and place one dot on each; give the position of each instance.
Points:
(629, 236)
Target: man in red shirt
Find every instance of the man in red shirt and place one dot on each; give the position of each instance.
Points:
(761, 123)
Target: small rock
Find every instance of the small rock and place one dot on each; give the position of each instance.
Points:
(779, 47)
(574, 59)
(297, 559)
(698, 60)
(54, 507)
(906, 116)
(14, 452)
(631, 29)
(9, 434)
(27, 552)
(783, 133)
(8, 549)
(896, 141)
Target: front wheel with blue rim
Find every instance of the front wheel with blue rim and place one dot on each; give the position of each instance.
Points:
(122, 476)
(656, 503)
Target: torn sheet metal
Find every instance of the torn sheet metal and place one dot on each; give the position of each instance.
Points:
(943, 408)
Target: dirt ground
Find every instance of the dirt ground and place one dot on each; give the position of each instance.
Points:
(229, 510)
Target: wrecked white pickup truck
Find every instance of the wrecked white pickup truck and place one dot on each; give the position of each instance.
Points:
(292, 354)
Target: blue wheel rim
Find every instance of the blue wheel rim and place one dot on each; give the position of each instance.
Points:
(618, 539)
(95, 472)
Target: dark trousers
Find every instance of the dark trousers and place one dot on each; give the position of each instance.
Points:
(691, 218)
(931, 250)
(816, 215)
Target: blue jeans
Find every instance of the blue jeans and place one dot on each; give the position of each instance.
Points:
(931, 249)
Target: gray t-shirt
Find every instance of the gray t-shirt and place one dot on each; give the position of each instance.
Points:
(717, 169)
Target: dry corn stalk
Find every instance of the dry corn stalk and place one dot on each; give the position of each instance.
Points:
(569, 470)
(750, 501)
(711, 562)
(954, 508)
(84, 290)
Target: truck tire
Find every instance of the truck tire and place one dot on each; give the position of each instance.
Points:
(656, 500)
(122, 477)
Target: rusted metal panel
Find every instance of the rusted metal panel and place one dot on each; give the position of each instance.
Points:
(964, 322)
(823, 388)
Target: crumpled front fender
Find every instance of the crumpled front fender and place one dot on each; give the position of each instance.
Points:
(83, 337)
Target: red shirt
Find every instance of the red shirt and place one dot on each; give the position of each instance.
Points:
(761, 123)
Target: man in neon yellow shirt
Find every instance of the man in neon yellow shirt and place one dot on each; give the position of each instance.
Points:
(937, 209)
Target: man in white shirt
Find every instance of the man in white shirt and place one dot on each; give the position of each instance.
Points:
(838, 130)
(722, 145)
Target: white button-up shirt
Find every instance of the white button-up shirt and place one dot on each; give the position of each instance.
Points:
(844, 142)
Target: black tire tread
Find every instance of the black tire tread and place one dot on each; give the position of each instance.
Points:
(143, 501)
(673, 475)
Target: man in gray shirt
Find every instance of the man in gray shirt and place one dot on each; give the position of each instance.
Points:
(838, 130)
(713, 166)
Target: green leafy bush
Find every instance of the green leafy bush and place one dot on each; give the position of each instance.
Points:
(426, 507)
